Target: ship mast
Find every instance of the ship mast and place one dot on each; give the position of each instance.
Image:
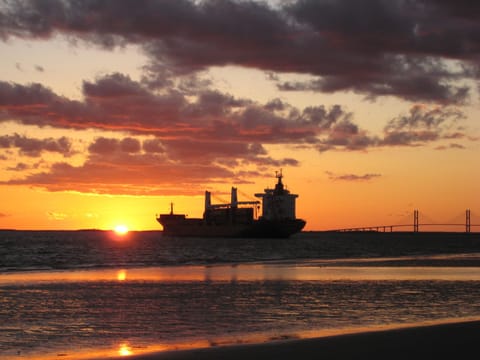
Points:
(279, 188)
(278, 175)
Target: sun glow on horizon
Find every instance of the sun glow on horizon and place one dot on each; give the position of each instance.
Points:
(125, 350)
(122, 275)
(120, 229)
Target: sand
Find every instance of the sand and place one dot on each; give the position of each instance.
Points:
(451, 340)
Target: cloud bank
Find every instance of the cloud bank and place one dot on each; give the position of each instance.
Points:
(417, 51)
(172, 124)
(205, 137)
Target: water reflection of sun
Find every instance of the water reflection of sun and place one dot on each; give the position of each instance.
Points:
(124, 350)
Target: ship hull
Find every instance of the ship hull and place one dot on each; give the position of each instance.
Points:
(255, 229)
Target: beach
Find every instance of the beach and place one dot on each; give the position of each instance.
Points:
(450, 340)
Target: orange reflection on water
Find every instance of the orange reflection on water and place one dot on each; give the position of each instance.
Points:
(300, 271)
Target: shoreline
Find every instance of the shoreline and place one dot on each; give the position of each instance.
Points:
(451, 339)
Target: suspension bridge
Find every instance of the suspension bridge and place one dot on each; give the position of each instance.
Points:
(463, 221)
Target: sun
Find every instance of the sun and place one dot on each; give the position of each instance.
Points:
(124, 350)
(122, 275)
(121, 229)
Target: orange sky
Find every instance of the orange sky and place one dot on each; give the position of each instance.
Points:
(106, 118)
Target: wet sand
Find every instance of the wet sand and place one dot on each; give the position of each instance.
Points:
(452, 340)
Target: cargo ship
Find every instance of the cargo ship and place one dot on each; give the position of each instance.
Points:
(240, 218)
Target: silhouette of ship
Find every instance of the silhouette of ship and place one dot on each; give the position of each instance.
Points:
(238, 218)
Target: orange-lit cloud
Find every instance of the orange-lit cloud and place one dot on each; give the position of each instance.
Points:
(128, 106)
(34, 147)
(176, 141)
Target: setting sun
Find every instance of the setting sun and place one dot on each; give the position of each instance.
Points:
(124, 350)
(122, 275)
(121, 229)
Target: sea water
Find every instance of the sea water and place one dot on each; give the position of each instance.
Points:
(85, 294)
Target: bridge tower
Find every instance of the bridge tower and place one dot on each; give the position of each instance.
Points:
(467, 220)
(415, 220)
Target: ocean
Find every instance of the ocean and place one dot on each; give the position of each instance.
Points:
(88, 294)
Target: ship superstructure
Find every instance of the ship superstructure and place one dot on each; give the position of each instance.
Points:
(278, 203)
(240, 218)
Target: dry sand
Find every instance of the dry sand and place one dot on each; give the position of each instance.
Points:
(452, 340)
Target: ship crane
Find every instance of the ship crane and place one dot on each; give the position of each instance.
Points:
(248, 202)
(233, 204)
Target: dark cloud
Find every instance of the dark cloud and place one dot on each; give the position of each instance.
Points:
(197, 135)
(35, 147)
(276, 105)
(153, 146)
(114, 85)
(409, 138)
(346, 135)
(115, 102)
(130, 145)
(450, 146)
(210, 131)
(268, 162)
(375, 47)
(112, 102)
(423, 117)
(19, 167)
(217, 123)
(213, 104)
(105, 146)
(403, 82)
(351, 177)
(16, 95)
(422, 125)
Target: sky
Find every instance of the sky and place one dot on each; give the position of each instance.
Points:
(111, 110)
